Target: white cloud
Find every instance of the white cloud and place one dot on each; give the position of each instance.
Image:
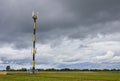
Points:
(14, 54)
(69, 51)
(116, 59)
(108, 56)
(1, 62)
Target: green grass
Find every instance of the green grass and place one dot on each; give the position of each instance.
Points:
(62, 76)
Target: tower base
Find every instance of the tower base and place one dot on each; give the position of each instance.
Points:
(31, 71)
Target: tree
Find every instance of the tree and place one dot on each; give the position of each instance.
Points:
(66, 69)
(8, 68)
(51, 69)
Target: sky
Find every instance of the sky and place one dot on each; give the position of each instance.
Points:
(70, 33)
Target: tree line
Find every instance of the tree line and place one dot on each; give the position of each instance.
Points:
(8, 68)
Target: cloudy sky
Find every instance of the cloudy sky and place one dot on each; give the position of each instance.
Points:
(70, 33)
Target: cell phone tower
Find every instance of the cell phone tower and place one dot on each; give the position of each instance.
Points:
(34, 16)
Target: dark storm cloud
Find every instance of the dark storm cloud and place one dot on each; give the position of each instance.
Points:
(57, 18)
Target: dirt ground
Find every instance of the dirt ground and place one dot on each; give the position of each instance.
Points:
(3, 73)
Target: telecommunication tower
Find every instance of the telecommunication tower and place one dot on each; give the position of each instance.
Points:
(34, 16)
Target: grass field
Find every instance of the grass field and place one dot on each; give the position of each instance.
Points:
(62, 76)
